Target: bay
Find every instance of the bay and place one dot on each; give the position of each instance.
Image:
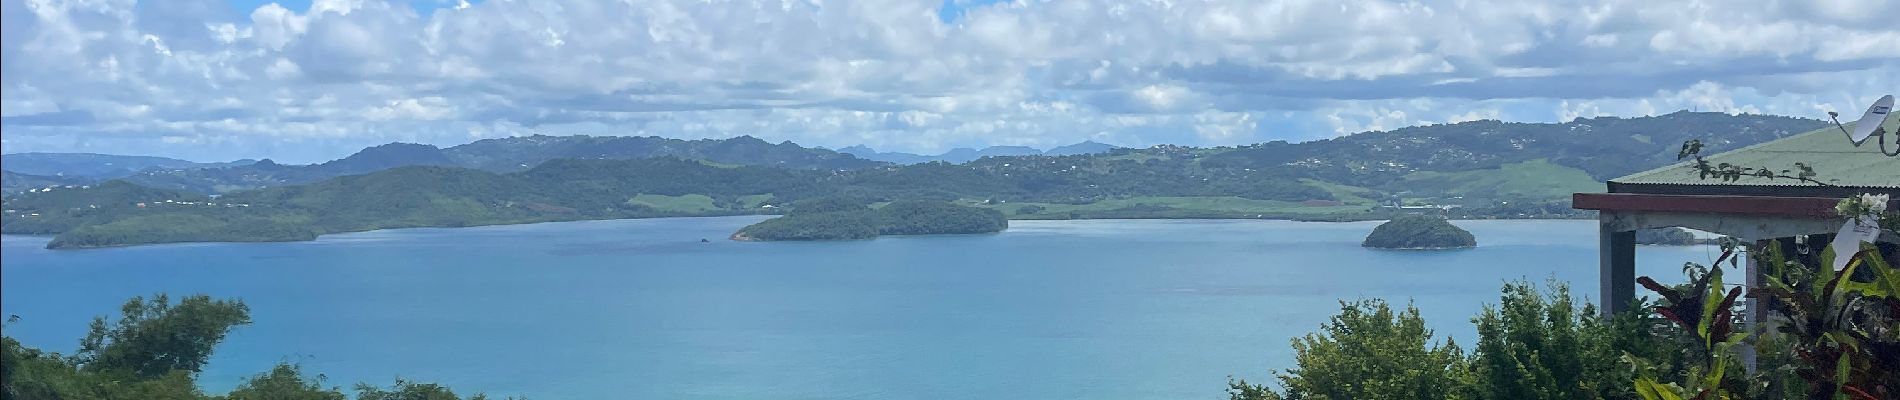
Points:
(1105, 309)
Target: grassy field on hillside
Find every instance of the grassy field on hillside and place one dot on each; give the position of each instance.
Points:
(692, 203)
(1344, 193)
(1172, 207)
(754, 201)
(1535, 179)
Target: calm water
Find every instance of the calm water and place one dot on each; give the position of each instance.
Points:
(641, 309)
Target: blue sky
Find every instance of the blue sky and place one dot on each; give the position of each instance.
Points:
(307, 81)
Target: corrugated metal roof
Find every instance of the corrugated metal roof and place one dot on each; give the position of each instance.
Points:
(1834, 159)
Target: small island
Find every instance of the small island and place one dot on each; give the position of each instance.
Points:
(1419, 232)
(846, 219)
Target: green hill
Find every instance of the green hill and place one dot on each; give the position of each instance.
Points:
(1349, 178)
(1534, 179)
(1391, 162)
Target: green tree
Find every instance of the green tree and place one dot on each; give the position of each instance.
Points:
(284, 382)
(153, 338)
(1369, 351)
(405, 390)
(1534, 345)
(154, 352)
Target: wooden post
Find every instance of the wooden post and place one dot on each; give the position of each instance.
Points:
(1755, 311)
(1617, 269)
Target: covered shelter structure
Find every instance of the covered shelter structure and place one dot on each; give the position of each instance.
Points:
(1755, 210)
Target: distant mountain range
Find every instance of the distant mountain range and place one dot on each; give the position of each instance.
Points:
(14, 182)
(494, 155)
(1448, 160)
(24, 171)
(1489, 168)
(963, 154)
(95, 166)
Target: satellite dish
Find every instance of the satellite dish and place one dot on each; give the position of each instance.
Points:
(1871, 121)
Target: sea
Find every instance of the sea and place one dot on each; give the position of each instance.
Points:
(670, 309)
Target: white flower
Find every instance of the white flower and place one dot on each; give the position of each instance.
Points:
(1875, 202)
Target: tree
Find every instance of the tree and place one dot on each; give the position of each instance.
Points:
(154, 353)
(284, 382)
(1369, 352)
(1536, 345)
(153, 338)
(405, 390)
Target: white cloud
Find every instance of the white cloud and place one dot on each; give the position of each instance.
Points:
(313, 84)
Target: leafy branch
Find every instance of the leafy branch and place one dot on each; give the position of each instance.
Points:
(1727, 172)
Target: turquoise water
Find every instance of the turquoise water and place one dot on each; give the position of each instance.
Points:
(641, 309)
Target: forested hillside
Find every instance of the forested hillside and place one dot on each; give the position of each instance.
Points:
(1475, 169)
(502, 155)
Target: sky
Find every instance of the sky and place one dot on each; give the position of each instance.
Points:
(314, 80)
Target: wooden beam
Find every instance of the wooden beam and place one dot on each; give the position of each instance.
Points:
(1796, 207)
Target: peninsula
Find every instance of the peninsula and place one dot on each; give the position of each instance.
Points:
(842, 219)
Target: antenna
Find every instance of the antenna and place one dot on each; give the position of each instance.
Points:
(1869, 125)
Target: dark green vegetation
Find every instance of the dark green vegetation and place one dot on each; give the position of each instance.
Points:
(1333, 363)
(1531, 345)
(420, 196)
(1604, 148)
(842, 218)
(156, 349)
(1419, 232)
(1832, 336)
(1482, 169)
(1835, 334)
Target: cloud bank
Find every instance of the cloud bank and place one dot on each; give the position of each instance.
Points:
(210, 80)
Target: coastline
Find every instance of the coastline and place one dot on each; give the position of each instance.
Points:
(1422, 248)
(743, 238)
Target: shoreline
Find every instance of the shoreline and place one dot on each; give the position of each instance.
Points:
(1422, 248)
(736, 236)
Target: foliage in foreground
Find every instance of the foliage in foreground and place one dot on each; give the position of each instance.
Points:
(1834, 335)
(155, 351)
(1532, 345)
(1366, 339)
